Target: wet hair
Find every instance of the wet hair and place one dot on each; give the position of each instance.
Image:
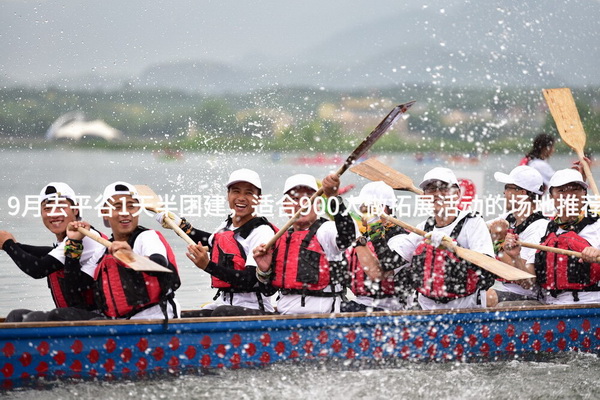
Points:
(541, 142)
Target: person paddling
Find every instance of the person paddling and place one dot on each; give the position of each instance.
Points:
(537, 157)
(122, 292)
(231, 264)
(377, 279)
(442, 280)
(58, 208)
(306, 264)
(522, 221)
(567, 279)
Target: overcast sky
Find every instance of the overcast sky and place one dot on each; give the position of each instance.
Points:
(116, 36)
(43, 39)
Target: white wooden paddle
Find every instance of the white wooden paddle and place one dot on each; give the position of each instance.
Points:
(128, 257)
(375, 170)
(362, 148)
(553, 249)
(483, 261)
(564, 111)
(151, 202)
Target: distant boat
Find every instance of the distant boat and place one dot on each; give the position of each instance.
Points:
(73, 125)
(168, 154)
(324, 159)
(319, 159)
(463, 159)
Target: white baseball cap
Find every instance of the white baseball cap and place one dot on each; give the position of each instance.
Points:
(564, 176)
(297, 180)
(57, 190)
(244, 175)
(524, 177)
(119, 188)
(439, 174)
(377, 193)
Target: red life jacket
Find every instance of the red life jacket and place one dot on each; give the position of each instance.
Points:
(300, 264)
(56, 283)
(121, 292)
(360, 283)
(517, 230)
(227, 252)
(558, 272)
(524, 161)
(440, 275)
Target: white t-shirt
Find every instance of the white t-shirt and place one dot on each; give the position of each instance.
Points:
(292, 303)
(259, 235)
(87, 261)
(532, 234)
(474, 235)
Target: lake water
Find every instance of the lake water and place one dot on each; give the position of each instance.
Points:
(24, 172)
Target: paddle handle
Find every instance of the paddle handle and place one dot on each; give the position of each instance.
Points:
(588, 174)
(553, 250)
(488, 263)
(97, 238)
(358, 152)
(173, 226)
(291, 221)
(128, 257)
(404, 225)
(178, 230)
(450, 245)
(295, 217)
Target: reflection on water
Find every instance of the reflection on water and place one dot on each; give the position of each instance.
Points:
(565, 376)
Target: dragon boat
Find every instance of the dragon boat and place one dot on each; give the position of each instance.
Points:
(127, 349)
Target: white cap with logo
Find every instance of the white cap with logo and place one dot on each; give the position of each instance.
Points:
(244, 175)
(564, 176)
(439, 174)
(59, 190)
(298, 180)
(119, 188)
(377, 194)
(523, 176)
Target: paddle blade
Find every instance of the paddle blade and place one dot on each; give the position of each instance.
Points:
(150, 200)
(492, 265)
(564, 111)
(379, 130)
(138, 263)
(128, 257)
(375, 170)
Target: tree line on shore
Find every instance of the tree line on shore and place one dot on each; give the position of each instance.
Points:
(443, 119)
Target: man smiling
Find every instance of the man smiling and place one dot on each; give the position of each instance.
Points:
(120, 291)
(57, 209)
(442, 280)
(567, 279)
(231, 265)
